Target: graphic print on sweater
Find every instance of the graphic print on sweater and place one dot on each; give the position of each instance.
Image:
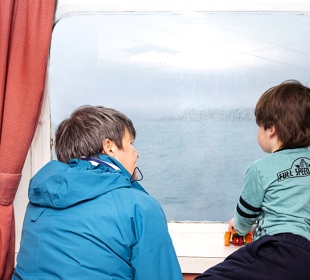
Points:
(299, 168)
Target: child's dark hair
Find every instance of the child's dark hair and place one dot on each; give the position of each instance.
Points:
(287, 107)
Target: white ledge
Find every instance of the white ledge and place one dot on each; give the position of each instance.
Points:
(199, 245)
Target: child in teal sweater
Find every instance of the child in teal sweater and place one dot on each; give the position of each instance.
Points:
(275, 199)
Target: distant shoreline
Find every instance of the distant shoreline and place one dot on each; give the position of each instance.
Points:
(239, 114)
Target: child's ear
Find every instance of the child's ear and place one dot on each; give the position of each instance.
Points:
(108, 147)
(272, 131)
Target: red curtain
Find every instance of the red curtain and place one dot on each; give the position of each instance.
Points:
(25, 34)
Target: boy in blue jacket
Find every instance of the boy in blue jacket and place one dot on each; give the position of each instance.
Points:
(88, 217)
(275, 199)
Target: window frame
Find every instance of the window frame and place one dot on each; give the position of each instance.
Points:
(208, 236)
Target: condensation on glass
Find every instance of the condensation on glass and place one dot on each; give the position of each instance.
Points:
(190, 83)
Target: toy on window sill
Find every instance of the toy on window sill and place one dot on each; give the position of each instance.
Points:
(235, 239)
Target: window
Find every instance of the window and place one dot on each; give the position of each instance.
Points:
(189, 82)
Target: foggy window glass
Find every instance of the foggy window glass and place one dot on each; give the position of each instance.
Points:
(190, 83)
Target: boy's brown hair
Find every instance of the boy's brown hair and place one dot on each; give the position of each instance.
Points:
(287, 107)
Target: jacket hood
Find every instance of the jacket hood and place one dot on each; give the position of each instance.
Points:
(60, 185)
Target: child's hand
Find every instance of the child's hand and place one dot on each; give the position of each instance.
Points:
(231, 224)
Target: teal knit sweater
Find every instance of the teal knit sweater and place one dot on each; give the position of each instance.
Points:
(276, 195)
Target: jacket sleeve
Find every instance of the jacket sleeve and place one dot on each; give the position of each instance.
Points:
(250, 202)
(153, 256)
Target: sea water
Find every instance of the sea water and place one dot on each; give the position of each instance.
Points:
(195, 169)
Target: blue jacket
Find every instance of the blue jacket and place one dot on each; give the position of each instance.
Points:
(90, 222)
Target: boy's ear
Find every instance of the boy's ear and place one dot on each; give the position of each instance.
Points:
(272, 131)
(108, 147)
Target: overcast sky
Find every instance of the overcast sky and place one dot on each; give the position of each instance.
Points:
(163, 63)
